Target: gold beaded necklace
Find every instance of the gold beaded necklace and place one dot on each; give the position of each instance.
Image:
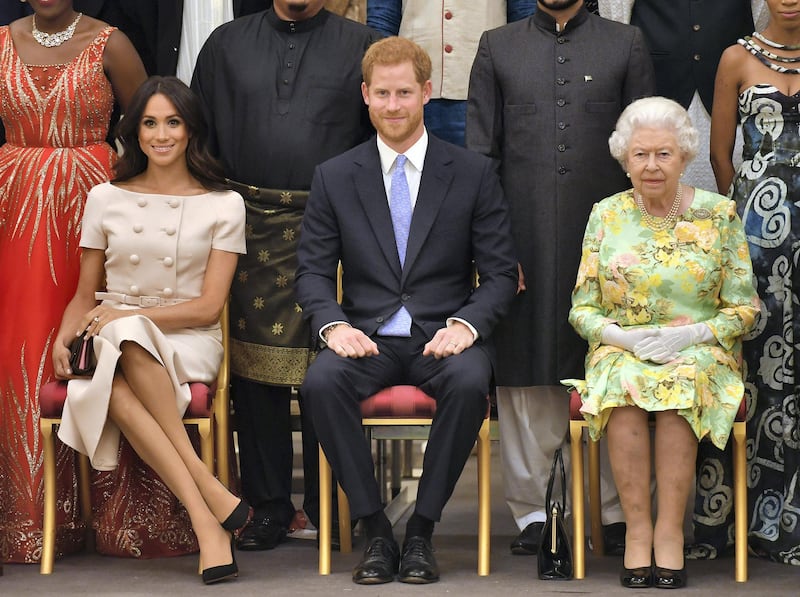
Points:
(655, 223)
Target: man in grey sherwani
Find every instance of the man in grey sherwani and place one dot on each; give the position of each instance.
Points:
(544, 96)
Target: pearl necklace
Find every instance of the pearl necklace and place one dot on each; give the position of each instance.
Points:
(655, 223)
(51, 40)
(774, 44)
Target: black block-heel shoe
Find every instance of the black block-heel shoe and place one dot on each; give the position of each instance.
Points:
(664, 578)
(238, 518)
(636, 578)
(224, 572)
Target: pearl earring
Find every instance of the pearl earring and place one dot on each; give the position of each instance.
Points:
(628, 174)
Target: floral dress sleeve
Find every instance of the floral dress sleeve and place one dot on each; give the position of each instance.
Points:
(738, 299)
(587, 315)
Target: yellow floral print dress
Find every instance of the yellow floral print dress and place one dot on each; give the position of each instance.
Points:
(699, 271)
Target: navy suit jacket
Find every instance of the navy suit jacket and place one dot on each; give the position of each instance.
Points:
(460, 219)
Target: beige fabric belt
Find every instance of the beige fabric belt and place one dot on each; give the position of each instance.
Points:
(139, 301)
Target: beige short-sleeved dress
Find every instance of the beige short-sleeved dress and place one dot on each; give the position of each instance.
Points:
(155, 245)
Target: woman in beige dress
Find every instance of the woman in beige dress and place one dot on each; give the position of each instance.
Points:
(160, 246)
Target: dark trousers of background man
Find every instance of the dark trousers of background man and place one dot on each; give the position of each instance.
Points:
(264, 429)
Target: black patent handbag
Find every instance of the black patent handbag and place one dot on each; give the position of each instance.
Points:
(555, 550)
(81, 356)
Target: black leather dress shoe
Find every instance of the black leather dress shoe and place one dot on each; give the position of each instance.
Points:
(417, 564)
(664, 578)
(527, 542)
(614, 539)
(261, 534)
(379, 563)
(636, 578)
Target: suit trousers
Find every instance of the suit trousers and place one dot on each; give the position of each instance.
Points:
(263, 427)
(533, 423)
(335, 386)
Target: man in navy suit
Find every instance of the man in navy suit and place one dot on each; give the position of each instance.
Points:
(410, 314)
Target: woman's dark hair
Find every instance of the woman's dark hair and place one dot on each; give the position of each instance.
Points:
(202, 165)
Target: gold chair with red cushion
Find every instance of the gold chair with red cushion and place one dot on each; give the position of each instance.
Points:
(578, 423)
(401, 406)
(208, 410)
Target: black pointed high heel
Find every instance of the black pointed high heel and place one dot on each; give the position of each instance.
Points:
(238, 518)
(636, 578)
(216, 574)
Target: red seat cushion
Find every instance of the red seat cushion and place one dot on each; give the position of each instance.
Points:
(575, 404)
(402, 402)
(54, 394)
(399, 402)
(576, 415)
(51, 399)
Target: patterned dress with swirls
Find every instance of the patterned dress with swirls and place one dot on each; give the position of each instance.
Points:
(767, 191)
(56, 120)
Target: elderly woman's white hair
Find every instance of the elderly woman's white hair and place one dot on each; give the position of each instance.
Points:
(657, 113)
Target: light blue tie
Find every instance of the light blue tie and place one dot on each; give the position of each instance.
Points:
(399, 324)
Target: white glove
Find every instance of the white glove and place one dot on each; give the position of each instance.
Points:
(614, 335)
(668, 342)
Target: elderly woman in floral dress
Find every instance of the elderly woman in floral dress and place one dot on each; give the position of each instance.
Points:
(664, 294)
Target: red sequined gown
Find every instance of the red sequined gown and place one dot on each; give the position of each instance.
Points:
(56, 120)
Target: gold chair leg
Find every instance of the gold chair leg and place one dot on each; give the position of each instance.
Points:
(595, 504)
(222, 406)
(84, 492)
(484, 499)
(222, 436)
(49, 520)
(325, 521)
(740, 499)
(578, 540)
(345, 540)
(206, 442)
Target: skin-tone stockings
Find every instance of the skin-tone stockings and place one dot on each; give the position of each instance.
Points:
(143, 406)
(675, 452)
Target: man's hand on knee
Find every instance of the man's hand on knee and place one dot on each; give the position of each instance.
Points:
(351, 343)
(451, 340)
